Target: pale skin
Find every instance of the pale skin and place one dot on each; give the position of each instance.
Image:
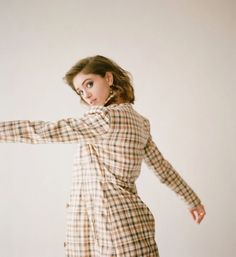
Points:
(94, 90)
(198, 213)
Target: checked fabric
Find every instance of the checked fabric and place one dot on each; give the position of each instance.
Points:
(105, 215)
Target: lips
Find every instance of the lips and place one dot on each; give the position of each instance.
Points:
(93, 101)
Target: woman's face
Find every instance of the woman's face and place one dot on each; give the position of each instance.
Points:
(93, 88)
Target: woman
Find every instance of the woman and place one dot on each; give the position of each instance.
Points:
(106, 217)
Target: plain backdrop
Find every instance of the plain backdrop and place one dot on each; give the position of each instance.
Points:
(182, 58)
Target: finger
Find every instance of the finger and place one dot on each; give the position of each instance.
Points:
(192, 215)
(193, 212)
(200, 218)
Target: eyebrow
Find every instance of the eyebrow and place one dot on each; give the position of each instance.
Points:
(83, 83)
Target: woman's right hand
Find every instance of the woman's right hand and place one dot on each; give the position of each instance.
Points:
(198, 213)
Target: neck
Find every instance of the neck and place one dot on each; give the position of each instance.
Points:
(118, 99)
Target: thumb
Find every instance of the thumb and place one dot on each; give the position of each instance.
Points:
(192, 211)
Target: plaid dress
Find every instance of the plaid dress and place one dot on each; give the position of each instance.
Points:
(105, 215)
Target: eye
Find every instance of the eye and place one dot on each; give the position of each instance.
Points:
(90, 84)
(80, 92)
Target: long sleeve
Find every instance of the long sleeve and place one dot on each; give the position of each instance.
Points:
(167, 174)
(90, 128)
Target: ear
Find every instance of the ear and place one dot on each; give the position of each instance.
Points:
(109, 78)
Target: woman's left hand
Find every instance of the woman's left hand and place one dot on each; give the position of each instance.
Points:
(198, 213)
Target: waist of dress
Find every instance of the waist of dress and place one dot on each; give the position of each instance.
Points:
(106, 180)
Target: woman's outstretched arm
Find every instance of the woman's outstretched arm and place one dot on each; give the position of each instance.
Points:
(167, 174)
(92, 126)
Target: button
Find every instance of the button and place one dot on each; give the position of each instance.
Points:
(64, 244)
(67, 205)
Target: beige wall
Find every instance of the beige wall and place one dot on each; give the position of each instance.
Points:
(181, 56)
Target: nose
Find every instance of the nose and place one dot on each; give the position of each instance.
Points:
(87, 94)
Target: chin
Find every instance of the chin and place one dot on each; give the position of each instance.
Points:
(96, 104)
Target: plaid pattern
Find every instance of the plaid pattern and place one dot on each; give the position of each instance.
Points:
(105, 215)
(88, 129)
(167, 174)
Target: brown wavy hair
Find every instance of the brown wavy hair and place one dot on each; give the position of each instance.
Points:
(99, 65)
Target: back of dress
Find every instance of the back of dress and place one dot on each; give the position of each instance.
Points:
(104, 191)
(121, 150)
